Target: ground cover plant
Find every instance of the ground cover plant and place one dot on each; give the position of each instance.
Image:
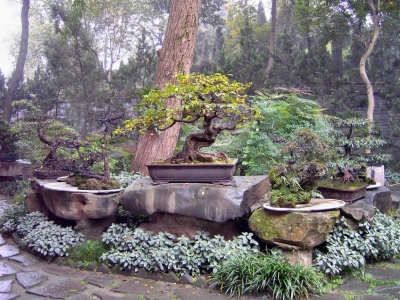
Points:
(347, 249)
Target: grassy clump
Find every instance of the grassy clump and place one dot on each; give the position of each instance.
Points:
(259, 273)
(88, 251)
(338, 184)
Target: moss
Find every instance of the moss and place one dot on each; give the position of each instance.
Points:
(338, 184)
(289, 197)
(84, 183)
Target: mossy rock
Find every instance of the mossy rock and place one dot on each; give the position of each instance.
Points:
(84, 183)
(304, 230)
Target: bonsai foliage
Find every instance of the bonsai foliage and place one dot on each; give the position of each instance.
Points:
(52, 133)
(295, 181)
(353, 136)
(8, 138)
(214, 100)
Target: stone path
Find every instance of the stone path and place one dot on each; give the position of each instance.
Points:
(26, 277)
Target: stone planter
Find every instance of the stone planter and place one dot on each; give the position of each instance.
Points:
(8, 157)
(203, 172)
(345, 195)
(49, 174)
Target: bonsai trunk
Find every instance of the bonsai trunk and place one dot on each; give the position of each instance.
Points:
(195, 141)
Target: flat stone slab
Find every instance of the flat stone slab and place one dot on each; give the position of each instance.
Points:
(62, 271)
(330, 296)
(354, 285)
(105, 296)
(30, 279)
(2, 241)
(102, 280)
(8, 250)
(6, 270)
(6, 296)
(211, 202)
(5, 286)
(141, 287)
(374, 297)
(383, 273)
(59, 289)
(392, 290)
(24, 260)
(17, 168)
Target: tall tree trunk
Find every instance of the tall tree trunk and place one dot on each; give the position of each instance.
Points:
(175, 57)
(370, 46)
(271, 40)
(19, 68)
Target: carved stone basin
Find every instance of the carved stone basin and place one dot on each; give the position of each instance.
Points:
(93, 210)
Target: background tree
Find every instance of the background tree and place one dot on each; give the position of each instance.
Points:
(19, 68)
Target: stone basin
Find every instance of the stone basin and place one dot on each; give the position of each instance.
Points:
(93, 211)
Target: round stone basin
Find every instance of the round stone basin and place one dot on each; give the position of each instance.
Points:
(67, 202)
(65, 187)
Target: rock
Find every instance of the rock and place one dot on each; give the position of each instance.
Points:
(14, 169)
(200, 200)
(295, 229)
(364, 209)
(59, 289)
(183, 225)
(30, 279)
(298, 257)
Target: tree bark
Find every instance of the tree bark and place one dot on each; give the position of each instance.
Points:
(271, 40)
(370, 46)
(175, 57)
(19, 68)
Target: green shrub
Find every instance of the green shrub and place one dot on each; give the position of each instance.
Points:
(52, 240)
(30, 221)
(14, 187)
(88, 251)
(11, 215)
(258, 273)
(135, 249)
(347, 249)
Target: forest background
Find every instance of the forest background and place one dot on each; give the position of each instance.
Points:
(80, 66)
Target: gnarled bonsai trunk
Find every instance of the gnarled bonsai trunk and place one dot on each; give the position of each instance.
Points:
(195, 141)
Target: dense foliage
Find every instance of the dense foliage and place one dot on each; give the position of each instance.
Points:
(348, 249)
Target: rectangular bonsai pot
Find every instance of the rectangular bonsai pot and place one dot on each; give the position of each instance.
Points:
(347, 196)
(202, 172)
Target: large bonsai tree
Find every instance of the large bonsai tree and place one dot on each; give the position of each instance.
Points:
(214, 100)
(353, 136)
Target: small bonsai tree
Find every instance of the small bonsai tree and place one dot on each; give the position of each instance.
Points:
(52, 133)
(214, 100)
(295, 181)
(90, 153)
(352, 137)
(8, 138)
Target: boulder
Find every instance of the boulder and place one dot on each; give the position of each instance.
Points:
(364, 209)
(14, 169)
(217, 203)
(293, 230)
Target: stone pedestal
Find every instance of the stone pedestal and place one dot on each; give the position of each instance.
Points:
(297, 257)
(192, 204)
(13, 169)
(293, 230)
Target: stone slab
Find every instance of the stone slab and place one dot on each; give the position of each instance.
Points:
(30, 279)
(62, 271)
(142, 287)
(106, 296)
(200, 200)
(24, 260)
(102, 280)
(6, 296)
(5, 286)
(383, 273)
(193, 293)
(8, 250)
(6, 270)
(354, 285)
(2, 241)
(392, 290)
(58, 290)
(374, 297)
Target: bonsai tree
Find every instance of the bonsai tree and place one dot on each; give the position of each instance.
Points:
(214, 100)
(295, 181)
(8, 138)
(352, 137)
(92, 151)
(52, 134)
